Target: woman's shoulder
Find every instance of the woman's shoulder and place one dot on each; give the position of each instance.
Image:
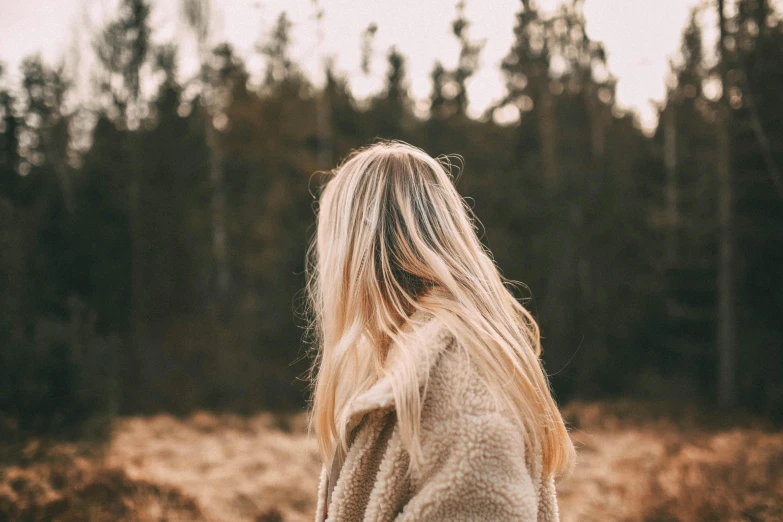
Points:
(455, 386)
(452, 383)
(457, 392)
(459, 410)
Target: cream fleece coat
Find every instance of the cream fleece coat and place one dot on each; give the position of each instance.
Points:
(476, 467)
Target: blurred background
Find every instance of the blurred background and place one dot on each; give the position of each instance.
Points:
(158, 160)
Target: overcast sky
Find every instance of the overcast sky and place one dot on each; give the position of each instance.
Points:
(641, 37)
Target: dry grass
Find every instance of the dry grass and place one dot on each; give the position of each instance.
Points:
(636, 463)
(238, 468)
(62, 484)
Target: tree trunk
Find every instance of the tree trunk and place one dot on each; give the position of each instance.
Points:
(218, 208)
(135, 377)
(671, 191)
(727, 330)
(548, 133)
(324, 125)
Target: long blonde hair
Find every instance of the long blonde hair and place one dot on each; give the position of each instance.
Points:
(394, 237)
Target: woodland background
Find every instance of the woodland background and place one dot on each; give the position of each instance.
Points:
(152, 246)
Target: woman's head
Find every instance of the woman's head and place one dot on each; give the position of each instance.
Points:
(394, 237)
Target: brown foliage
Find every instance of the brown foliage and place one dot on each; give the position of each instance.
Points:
(63, 487)
(637, 462)
(678, 466)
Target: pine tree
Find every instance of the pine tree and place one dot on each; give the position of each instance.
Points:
(122, 49)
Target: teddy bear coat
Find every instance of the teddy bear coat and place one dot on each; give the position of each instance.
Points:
(476, 466)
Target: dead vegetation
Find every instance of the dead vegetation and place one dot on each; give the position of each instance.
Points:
(63, 486)
(635, 464)
(646, 462)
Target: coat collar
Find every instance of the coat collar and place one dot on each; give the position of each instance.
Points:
(429, 336)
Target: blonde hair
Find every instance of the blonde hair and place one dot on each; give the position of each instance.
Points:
(394, 237)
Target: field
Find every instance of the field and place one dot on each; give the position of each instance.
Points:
(637, 462)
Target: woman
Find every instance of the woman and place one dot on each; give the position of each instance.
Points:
(429, 402)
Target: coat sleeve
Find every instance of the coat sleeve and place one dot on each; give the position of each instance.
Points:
(474, 470)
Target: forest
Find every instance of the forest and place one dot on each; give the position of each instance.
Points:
(152, 244)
